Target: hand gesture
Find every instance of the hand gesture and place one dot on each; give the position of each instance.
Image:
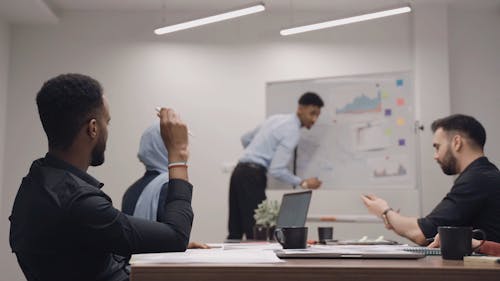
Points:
(375, 204)
(174, 134)
(313, 183)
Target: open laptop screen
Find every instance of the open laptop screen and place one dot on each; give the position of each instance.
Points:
(293, 209)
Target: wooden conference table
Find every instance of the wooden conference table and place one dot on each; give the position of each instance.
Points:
(426, 269)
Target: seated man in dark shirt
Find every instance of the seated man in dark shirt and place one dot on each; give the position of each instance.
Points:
(474, 197)
(63, 226)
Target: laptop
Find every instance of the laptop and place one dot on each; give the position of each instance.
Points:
(293, 209)
(349, 252)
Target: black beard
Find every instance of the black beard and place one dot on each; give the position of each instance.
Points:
(98, 155)
(449, 164)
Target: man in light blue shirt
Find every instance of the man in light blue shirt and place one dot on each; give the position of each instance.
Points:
(268, 149)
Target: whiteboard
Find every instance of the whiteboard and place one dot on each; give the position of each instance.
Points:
(365, 136)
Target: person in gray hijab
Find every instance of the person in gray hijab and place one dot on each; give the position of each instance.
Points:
(142, 199)
(146, 197)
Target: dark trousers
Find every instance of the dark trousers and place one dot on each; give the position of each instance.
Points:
(247, 189)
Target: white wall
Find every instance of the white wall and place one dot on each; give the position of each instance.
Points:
(432, 94)
(4, 67)
(475, 70)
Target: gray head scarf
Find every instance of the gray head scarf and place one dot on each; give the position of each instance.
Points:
(154, 155)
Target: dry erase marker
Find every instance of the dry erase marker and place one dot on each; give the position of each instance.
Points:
(158, 109)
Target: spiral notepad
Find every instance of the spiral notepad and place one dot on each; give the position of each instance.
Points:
(424, 250)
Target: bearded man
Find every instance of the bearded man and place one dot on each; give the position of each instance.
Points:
(475, 195)
(63, 226)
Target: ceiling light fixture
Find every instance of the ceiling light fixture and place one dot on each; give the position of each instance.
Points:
(216, 18)
(344, 21)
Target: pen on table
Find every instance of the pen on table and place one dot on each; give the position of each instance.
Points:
(158, 109)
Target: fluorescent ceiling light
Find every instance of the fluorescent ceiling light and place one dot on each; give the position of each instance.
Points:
(211, 19)
(343, 21)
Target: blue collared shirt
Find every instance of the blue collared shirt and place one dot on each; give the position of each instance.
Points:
(272, 144)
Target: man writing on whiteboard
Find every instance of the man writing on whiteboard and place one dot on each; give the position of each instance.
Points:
(473, 199)
(268, 149)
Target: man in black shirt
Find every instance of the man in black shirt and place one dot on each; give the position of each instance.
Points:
(474, 197)
(63, 227)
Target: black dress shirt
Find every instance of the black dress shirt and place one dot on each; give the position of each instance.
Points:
(474, 200)
(63, 227)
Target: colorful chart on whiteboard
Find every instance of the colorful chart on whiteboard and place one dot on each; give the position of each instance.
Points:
(365, 135)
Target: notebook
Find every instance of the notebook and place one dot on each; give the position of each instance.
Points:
(424, 250)
(349, 252)
(430, 251)
(293, 209)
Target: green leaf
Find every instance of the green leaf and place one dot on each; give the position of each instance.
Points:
(266, 213)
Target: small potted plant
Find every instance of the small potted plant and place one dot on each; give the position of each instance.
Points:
(265, 220)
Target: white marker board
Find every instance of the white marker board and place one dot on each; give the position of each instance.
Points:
(364, 138)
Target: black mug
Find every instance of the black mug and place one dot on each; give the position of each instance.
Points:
(292, 237)
(325, 233)
(456, 241)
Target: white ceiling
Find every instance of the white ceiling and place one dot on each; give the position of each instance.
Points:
(26, 11)
(47, 11)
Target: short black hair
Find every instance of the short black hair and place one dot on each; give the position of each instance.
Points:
(463, 124)
(311, 98)
(65, 103)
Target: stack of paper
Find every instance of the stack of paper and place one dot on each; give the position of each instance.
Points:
(228, 253)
